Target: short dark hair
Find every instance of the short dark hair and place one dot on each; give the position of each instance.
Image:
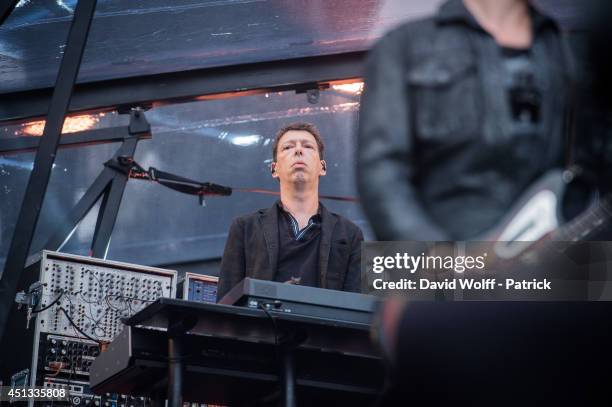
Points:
(309, 127)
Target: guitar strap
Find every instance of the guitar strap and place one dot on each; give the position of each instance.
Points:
(569, 120)
(573, 164)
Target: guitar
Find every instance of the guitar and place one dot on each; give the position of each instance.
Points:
(537, 217)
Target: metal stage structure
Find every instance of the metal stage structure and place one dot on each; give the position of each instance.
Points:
(133, 95)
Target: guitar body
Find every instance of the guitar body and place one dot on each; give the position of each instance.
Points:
(535, 215)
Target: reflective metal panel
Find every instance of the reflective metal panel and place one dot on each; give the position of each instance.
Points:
(139, 37)
(226, 141)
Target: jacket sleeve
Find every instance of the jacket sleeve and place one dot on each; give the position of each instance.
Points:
(233, 263)
(386, 154)
(352, 281)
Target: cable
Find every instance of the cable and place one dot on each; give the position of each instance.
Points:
(50, 305)
(130, 298)
(188, 186)
(108, 304)
(59, 367)
(263, 306)
(72, 309)
(96, 323)
(276, 193)
(99, 284)
(129, 305)
(87, 301)
(72, 371)
(77, 327)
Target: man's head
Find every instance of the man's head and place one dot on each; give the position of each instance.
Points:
(298, 153)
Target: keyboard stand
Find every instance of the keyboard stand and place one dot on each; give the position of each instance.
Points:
(316, 359)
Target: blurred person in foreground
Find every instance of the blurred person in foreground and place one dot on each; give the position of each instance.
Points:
(461, 112)
(509, 353)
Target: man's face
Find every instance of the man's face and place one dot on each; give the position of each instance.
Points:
(297, 158)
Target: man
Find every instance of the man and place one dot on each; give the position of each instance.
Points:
(297, 240)
(461, 112)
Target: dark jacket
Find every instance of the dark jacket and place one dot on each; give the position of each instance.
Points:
(252, 251)
(435, 161)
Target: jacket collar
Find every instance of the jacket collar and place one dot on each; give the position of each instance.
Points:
(328, 222)
(454, 11)
(269, 221)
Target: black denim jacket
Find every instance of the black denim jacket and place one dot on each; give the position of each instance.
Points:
(435, 162)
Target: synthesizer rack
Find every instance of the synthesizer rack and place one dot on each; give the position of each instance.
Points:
(78, 305)
(200, 287)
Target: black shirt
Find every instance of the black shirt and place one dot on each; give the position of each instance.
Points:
(298, 254)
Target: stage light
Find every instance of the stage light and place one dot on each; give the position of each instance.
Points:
(71, 125)
(355, 88)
